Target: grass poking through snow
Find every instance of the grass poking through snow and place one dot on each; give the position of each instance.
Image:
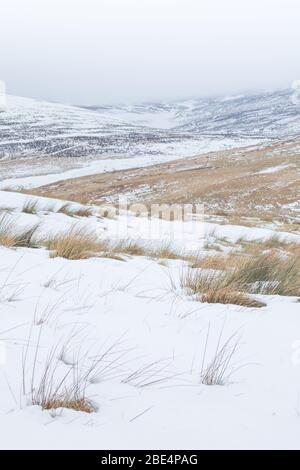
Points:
(77, 243)
(267, 273)
(12, 236)
(69, 210)
(30, 206)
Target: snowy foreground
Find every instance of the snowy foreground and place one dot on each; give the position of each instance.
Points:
(150, 341)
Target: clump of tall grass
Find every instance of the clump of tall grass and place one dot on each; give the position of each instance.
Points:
(65, 401)
(268, 273)
(66, 209)
(76, 243)
(127, 247)
(219, 369)
(61, 378)
(12, 236)
(227, 295)
(30, 206)
(56, 385)
(274, 243)
(211, 286)
(80, 243)
(83, 211)
(218, 262)
(69, 210)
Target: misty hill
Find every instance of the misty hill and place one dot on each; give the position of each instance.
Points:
(265, 115)
(31, 127)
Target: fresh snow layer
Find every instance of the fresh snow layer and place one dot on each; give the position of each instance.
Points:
(137, 307)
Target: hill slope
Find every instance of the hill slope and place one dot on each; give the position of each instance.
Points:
(30, 127)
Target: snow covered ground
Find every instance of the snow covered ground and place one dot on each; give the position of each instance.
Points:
(149, 339)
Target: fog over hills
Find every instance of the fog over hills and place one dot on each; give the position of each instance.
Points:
(30, 127)
(268, 115)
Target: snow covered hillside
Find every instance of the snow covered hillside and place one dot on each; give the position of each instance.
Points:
(29, 127)
(33, 128)
(269, 115)
(112, 351)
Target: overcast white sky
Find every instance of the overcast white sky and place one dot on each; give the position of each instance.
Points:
(107, 51)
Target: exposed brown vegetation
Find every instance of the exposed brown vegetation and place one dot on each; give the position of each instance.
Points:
(266, 273)
(273, 243)
(76, 243)
(211, 262)
(69, 210)
(80, 404)
(30, 206)
(12, 236)
(232, 184)
(226, 295)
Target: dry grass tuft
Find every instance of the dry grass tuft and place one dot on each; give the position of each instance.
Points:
(228, 296)
(274, 243)
(80, 243)
(267, 273)
(12, 237)
(218, 262)
(213, 287)
(108, 212)
(76, 404)
(219, 369)
(83, 212)
(68, 209)
(127, 247)
(30, 206)
(200, 282)
(133, 248)
(165, 251)
(51, 382)
(77, 243)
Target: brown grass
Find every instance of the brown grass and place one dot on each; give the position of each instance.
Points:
(127, 247)
(226, 295)
(164, 251)
(218, 262)
(66, 209)
(79, 404)
(12, 236)
(213, 287)
(273, 243)
(30, 206)
(266, 273)
(77, 243)
(80, 243)
(219, 185)
(83, 212)
(69, 210)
